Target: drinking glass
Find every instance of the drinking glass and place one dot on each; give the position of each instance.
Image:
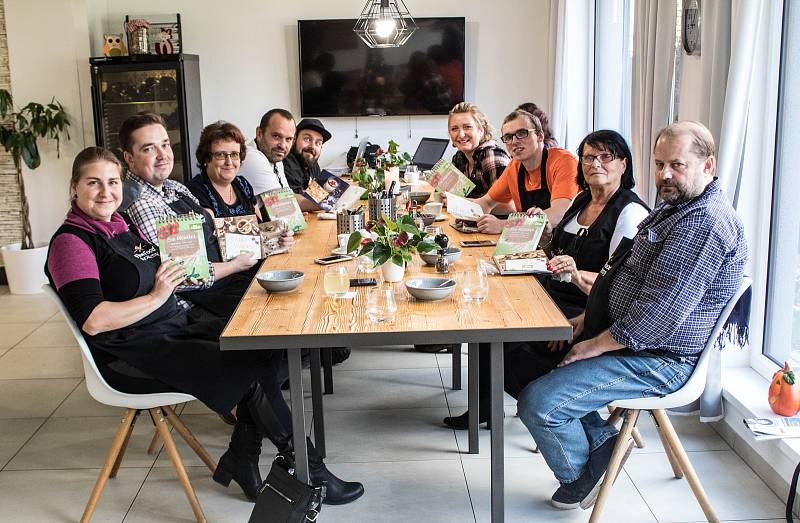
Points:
(365, 265)
(337, 281)
(474, 285)
(381, 306)
(412, 174)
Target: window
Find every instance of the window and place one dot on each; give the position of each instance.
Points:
(613, 60)
(782, 323)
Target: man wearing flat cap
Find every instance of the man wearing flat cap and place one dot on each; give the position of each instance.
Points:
(301, 164)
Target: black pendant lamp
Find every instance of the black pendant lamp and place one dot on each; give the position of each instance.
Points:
(385, 23)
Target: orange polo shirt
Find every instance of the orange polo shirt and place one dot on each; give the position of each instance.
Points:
(562, 173)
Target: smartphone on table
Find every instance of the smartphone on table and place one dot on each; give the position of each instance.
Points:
(336, 258)
(478, 243)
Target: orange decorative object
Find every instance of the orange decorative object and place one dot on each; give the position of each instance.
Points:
(784, 392)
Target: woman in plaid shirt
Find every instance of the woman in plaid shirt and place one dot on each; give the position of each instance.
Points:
(478, 156)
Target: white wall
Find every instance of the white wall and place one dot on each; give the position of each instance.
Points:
(249, 59)
(48, 49)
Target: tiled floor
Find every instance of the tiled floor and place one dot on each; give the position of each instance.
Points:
(384, 429)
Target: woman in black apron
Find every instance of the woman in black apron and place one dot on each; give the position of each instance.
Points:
(116, 290)
(585, 248)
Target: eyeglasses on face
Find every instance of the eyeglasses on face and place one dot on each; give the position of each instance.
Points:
(520, 134)
(588, 159)
(222, 155)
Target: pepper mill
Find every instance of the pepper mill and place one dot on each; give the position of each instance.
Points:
(442, 265)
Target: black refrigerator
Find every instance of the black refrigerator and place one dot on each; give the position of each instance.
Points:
(165, 84)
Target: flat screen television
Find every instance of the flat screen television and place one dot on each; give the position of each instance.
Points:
(341, 76)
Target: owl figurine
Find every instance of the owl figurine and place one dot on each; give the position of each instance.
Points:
(113, 45)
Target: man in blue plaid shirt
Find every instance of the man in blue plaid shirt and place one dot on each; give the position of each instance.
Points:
(649, 315)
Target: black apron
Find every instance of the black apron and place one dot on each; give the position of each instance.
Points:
(166, 346)
(224, 295)
(589, 247)
(597, 318)
(540, 197)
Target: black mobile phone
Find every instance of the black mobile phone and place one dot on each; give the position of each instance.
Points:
(362, 282)
(477, 243)
(336, 258)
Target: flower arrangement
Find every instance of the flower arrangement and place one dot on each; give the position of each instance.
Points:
(393, 241)
(373, 180)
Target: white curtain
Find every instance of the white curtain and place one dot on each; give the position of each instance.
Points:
(739, 61)
(653, 79)
(572, 59)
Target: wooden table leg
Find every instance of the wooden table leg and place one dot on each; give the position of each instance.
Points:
(473, 386)
(298, 414)
(316, 400)
(456, 366)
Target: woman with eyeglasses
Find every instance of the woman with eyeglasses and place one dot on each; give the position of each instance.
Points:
(538, 176)
(600, 216)
(219, 188)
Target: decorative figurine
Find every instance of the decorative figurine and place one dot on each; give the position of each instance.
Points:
(113, 45)
(163, 43)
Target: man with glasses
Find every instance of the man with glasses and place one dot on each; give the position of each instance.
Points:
(648, 316)
(263, 164)
(538, 176)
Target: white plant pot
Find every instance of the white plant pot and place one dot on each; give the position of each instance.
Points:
(392, 174)
(25, 268)
(392, 272)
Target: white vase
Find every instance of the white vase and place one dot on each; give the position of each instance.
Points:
(392, 272)
(392, 174)
(25, 267)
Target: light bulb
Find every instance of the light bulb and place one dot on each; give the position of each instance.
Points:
(384, 26)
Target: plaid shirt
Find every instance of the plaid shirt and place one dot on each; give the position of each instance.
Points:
(686, 263)
(150, 205)
(490, 162)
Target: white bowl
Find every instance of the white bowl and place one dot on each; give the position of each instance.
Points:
(430, 288)
(451, 253)
(280, 280)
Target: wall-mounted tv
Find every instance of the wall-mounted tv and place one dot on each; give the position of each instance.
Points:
(341, 76)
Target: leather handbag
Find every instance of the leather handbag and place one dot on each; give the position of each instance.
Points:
(285, 499)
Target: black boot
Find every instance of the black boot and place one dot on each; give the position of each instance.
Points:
(462, 422)
(337, 491)
(240, 461)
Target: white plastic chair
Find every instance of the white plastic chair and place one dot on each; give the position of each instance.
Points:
(158, 405)
(690, 391)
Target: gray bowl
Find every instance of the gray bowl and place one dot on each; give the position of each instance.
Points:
(419, 197)
(280, 280)
(430, 288)
(451, 253)
(427, 219)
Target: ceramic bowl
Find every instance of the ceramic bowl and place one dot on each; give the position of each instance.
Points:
(419, 197)
(426, 218)
(451, 253)
(280, 280)
(430, 288)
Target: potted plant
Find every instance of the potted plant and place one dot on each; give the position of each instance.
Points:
(390, 245)
(387, 168)
(19, 132)
(391, 161)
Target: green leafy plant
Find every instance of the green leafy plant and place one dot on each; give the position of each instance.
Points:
(371, 180)
(393, 158)
(19, 133)
(395, 241)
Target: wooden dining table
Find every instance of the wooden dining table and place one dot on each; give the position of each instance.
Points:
(517, 309)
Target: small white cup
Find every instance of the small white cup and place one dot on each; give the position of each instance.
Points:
(434, 208)
(342, 238)
(412, 174)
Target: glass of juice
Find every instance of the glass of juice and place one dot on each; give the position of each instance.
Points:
(337, 281)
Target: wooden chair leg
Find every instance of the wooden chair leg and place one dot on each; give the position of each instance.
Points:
(635, 434)
(111, 458)
(686, 466)
(169, 444)
(189, 438)
(620, 448)
(124, 447)
(676, 468)
(153, 447)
